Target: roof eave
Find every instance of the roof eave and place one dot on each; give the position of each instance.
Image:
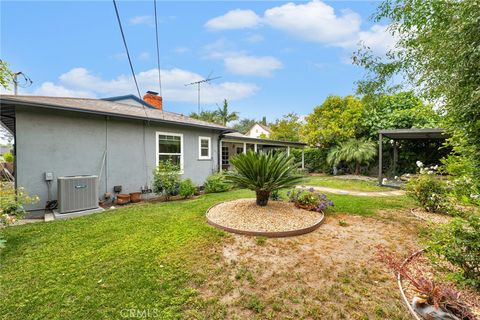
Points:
(48, 106)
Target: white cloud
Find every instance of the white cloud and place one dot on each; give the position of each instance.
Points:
(144, 56)
(234, 19)
(142, 20)
(254, 38)
(181, 50)
(79, 82)
(314, 21)
(251, 65)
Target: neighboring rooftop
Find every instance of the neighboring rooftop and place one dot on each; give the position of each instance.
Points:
(104, 107)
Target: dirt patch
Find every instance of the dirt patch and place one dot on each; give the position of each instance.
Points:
(330, 273)
(277, 216)
(431, 217)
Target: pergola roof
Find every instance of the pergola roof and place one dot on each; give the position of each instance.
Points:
(404, 134)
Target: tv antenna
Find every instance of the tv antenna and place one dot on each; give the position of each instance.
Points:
(199, 83)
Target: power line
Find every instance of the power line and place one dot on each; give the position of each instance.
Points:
(126, 48)
(158, 47)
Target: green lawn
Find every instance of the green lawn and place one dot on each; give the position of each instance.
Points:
(350, 184)
(146, 256)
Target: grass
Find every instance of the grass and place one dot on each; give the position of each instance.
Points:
(146, 258)
(346, 184)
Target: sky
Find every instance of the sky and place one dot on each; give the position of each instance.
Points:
(273, 57)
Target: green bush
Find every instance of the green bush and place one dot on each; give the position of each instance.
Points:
(187, 188)
(315, 159)
(217, 183)
(459, 243)
(8, 157)
(429, 192)
(166, 178)
(264, 172)
(309, 199)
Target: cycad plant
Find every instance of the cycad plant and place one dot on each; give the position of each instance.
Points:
(264, 173)
(354, 150)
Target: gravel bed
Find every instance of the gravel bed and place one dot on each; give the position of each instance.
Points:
(244, 214)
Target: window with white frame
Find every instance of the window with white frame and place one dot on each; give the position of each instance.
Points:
(204, 147)
(170, 147)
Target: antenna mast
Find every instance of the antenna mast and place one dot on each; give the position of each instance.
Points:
(198, 83)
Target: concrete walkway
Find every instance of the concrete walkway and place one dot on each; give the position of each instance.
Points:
(357, 193)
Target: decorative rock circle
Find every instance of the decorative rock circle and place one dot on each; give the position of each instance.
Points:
(277, 219)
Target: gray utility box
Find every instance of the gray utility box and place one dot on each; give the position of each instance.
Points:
(77, 193)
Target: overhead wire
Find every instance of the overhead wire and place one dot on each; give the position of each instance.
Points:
(138, 89)
(158, 47)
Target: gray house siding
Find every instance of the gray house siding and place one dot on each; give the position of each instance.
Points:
(70, 143)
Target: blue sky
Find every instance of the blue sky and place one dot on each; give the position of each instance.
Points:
(273, 57)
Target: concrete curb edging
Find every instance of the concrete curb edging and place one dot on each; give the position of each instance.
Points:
(268, 234)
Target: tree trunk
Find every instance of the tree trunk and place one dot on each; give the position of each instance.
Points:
(357, 168)
(262, 197)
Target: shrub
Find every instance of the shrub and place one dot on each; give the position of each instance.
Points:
(166, 178)
(315, 159)
(8, 157)
(435, 294)
(275, 195)
(357, 151)
(187, 188)
(429, 191)
(12, 202)
(263, 173)
(217, 183)
(459, 243)
(309, 199)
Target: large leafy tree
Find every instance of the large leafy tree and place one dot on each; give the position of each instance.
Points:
(243, 125)
(336, 119)
(438, 54)
(224, 114)
(358, 151)
(402, 110)
(287, 128)
(6, 75)
(264, 173)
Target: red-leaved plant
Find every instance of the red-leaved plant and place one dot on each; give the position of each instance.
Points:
(436, 294)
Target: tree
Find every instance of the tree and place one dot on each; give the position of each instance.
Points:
(206, 115)
(287, 128)
(263, 173)
(359, 151)
(337, 119)
(436, 53)
(403, 110)
(6, 75)
(225, 115)
(244, 125)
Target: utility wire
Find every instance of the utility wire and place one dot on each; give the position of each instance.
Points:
(126, 48)
(138, 90)
(158, 48)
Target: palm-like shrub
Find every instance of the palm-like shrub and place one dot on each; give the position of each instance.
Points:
(358, 151)
(264, 173)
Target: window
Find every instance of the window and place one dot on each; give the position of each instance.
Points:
(204, 147)
(170, 147)
(225, 156)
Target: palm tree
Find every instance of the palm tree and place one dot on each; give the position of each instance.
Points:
(264, 173)
(224, 115)
(354, 150)
(206, 115)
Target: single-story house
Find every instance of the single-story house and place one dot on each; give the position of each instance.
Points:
(119, 139)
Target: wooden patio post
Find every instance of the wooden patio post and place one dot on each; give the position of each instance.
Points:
(380, 158)
(303, 158)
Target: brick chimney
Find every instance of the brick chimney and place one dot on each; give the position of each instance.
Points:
(152, 98)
